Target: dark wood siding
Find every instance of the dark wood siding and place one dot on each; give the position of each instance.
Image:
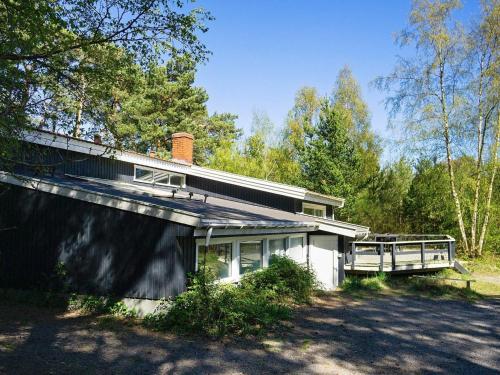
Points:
(224, 190)
(70, 162)
(104, 250)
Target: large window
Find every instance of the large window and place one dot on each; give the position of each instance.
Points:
(250, 256)
(217, 257)
(277, 246)
(314, 209)
(156, 176)
(232, 257)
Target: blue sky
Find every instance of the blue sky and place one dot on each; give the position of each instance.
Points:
(265, 50)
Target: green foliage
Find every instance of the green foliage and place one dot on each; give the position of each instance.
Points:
(260, 155)
(65, 69)
(100, 305)
(330, 162)
(428, 205)
(434, 287)
(289, 280)
(381, 205)
(355, 285)
(260, 302)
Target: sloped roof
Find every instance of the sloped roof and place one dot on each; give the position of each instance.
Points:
(193, 211)
(79, 145)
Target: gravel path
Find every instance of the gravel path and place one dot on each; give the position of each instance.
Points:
(336, 336)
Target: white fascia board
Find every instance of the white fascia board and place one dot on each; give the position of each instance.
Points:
(108, 200)
(337, 230)
(256, 223)
(90, 148)
(343, 224)
(250, 231)
(345, 229)
(323, 199)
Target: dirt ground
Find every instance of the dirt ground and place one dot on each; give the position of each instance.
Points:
(335, 336)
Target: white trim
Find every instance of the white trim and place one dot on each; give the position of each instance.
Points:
(89, 148)
(251, 231)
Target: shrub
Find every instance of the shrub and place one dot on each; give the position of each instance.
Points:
(260, 302)
(100, 305)
(286, 278)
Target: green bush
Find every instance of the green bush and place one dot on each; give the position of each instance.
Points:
(284, 277)
(258, 303)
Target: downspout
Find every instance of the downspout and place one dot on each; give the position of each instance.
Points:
(209, 235)
(207, 243)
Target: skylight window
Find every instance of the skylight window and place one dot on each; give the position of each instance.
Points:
(158, 177)
(314, 209)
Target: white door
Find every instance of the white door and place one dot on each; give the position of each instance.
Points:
(323, 259)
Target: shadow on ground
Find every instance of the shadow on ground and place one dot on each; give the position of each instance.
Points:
(338, 335)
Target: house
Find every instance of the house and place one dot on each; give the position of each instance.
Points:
(135, 226)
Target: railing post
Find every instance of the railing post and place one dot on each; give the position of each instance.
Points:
(422, 254)
(393, 254)
(449, 251)
(381, 249)
(353, 255)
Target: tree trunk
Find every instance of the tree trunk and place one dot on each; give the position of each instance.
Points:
(479, 161)
(451, 172)
(490, 187)
(79, 108)
(78, 120)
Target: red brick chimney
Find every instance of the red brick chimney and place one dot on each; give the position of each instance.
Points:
(182, 147)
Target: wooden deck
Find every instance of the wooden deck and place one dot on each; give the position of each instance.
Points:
(401, 255)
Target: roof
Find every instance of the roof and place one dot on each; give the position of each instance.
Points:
(87, 147)
(194, 211)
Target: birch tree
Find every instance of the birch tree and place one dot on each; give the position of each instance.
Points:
(447, 96)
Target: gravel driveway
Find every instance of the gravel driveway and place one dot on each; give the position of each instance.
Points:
(336, 336)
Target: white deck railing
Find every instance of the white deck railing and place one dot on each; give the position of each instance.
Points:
(398, 255)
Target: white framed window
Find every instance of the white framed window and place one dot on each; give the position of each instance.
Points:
(251, 256)
(312, 209)
(143, 174)
(232, 257)
(277, 246)
(158, 177)
(217, 257)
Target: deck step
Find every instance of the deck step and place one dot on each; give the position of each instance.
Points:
(459, 268)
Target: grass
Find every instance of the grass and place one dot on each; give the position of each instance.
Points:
(381, 285)
(362, 286)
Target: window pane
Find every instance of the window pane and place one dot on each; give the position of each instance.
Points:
(176, 180)
(277, 247)
(218, 259)
(318, 213)
(296, 248)
(250, 256)
(144, 175)
(314, 211)
(161, 178)
(309, 211)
